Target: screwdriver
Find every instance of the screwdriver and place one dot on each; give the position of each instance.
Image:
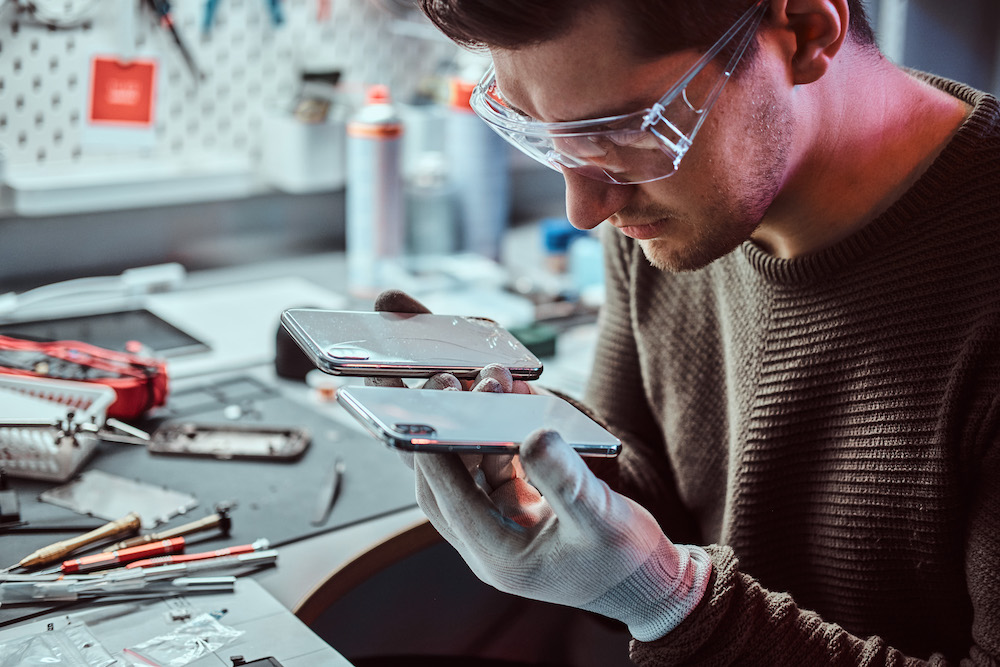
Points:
(220, 520)
(204, 555)
(109, 559)
(130, 523)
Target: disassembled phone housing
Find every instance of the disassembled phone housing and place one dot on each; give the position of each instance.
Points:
(230, 441)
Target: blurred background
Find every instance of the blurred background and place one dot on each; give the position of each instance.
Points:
(174, 175)
(241, 157)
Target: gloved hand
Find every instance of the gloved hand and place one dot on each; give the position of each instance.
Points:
(544, 527)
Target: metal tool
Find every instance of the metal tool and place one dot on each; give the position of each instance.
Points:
(72, 428)
(328, 494)
(109, 559)
(162, 9)
(220, 520)
(257, 545)
(68, 589)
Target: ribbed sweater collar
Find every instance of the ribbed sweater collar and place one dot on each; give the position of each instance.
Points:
(949, 166)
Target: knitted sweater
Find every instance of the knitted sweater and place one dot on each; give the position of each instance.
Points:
(830, 425)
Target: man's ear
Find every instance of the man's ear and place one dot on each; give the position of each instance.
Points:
(814, 31)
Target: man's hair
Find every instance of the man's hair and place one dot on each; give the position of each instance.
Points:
(655, 27)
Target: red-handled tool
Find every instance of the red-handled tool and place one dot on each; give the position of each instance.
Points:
(109, 559)
(219, 553)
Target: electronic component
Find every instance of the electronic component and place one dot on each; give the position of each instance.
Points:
(238, 661)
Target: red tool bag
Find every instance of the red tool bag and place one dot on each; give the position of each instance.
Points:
(140, 383)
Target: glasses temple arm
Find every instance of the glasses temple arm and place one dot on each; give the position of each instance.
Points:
(754, 15)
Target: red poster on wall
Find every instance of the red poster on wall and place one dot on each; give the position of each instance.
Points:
(122, 94)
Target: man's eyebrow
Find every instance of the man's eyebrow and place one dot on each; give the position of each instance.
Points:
(623, 108)
(620, 108)
(507, 103)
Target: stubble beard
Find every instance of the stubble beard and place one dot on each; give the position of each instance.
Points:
(735, 209)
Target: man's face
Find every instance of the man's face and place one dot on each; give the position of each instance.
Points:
(724, 184)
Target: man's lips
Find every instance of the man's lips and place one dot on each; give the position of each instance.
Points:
(645, 231)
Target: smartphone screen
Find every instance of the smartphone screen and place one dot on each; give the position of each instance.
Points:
(370, 344)
(465, 421)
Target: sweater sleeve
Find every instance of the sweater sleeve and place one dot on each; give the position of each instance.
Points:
(615, 393)
(740, 623)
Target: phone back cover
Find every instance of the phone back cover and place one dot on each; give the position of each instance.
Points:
(406, 344)
(424, 419)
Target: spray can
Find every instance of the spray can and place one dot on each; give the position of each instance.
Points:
(479, 162)
(375, 210)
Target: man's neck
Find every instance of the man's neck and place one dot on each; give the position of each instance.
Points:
(868, 131)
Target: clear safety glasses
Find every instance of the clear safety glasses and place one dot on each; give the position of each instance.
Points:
(627, 149)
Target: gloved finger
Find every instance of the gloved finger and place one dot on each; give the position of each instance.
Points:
(497, 372)
(513, 495)
(394, 301)
(521, 502)
(406, 457)
(494, 471)
(500, 469)
(458, 502)
(384, 382)
(522, 387)
(558, 471)
(428, 504)
(443, 381)
(489, 385)
(398, 301)
(515, 500)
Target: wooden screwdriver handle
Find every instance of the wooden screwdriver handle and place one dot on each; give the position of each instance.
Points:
(130, 523)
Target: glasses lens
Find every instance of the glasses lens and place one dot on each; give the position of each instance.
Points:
(619, 150)
(633, 148)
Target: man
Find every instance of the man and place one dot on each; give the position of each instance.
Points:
(799, 346)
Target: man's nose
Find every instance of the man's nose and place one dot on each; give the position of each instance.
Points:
(590, 202)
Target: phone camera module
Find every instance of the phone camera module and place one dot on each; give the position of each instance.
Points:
(348, 352)
(414, 429)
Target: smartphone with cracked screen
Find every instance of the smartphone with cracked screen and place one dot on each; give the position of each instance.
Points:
(408, 345)
(426, 420)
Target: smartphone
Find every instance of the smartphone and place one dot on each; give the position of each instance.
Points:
(409, 345)
(427, 420)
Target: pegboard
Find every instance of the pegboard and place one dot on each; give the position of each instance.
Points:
(251, 66)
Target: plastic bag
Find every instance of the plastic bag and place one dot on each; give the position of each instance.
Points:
(198, 637)
(73, 646)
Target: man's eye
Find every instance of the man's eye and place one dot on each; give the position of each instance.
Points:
(494, 94)
(625, 139)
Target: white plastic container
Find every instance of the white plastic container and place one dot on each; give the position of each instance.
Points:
(298, 157)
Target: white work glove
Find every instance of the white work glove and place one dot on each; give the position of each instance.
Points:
(564, 537)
